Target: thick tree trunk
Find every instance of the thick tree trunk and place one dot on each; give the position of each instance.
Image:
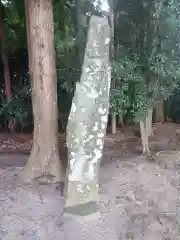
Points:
(144, 137)
(113, 123)
(7, 80)
(159, 112)
(88, 120)
(44, 159)
(149, 122)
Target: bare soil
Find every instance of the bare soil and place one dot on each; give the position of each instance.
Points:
(138, 199)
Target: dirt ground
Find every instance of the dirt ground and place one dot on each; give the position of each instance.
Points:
(138, 199)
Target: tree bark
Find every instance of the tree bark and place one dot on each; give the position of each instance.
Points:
(44, 160)
(144, 136)
(26, 5)
(112, 54)
(88, 120)
(149, 122)
(7, 80)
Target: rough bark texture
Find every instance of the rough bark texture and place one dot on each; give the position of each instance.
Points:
(159, 112)
(44, 158)
(88, 120)
(7, 80)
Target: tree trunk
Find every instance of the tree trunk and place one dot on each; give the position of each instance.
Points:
(26, 5)
(149, 122)
(120, 119)
(5, 62)
(112, 54)
(44, 159)
(159, 112)
(88, 120)
(113, 123)
(144, 136)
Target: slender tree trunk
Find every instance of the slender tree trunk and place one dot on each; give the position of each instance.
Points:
(144, 136)
(149, 122)
(159, 112)
(44, 159)
(113, 117)
(120, 119)
(7, 80)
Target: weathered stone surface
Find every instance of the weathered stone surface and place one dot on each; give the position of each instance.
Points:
(88, 117)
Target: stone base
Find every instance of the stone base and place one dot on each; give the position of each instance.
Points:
(80, 194)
